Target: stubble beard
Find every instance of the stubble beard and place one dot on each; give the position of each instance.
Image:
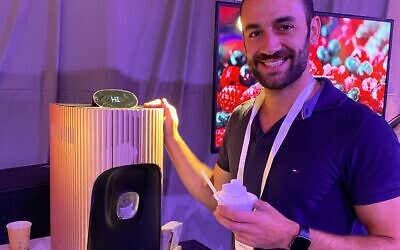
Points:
(298, 63)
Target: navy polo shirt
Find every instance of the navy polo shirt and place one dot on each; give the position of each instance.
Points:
(337, 154)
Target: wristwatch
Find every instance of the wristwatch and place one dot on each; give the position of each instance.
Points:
(302, 240)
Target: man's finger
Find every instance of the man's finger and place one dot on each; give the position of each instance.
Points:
(153, 104)
(262, 206)
(233, 215)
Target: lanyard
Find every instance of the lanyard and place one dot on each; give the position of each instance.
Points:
(282, 132)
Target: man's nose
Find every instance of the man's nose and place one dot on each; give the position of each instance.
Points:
(270, 44)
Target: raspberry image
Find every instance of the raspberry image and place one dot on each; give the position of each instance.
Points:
(219, 135)
(251, 92)
(230, 76)
(229, 97)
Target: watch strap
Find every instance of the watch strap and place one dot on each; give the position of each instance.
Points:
(302, 240)
(304, 231)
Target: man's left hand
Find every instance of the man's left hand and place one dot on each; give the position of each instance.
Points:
(264, 227)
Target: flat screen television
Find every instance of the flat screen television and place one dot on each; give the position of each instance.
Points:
(353, 51)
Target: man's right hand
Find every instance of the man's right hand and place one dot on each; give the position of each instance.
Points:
(186, 163)
(170, 116)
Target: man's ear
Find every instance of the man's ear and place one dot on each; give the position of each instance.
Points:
(315, 29)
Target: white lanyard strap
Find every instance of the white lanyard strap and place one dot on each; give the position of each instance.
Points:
(242, 160)
(282, 132)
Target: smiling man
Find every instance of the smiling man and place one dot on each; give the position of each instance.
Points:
(276, 55)
(325, 179)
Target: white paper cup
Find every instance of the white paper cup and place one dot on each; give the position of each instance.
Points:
(237, 204)
(19, 234)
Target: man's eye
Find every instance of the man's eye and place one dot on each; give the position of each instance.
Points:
(254, 34)
(285, 27)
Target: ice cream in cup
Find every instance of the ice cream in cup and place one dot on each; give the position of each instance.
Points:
(235, 196)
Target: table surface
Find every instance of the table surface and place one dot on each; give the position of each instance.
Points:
(34, 244)
(45, 244)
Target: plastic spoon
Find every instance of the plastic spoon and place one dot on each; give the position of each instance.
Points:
(213, 189)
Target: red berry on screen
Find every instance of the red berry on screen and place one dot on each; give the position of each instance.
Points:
(360, 53)
(379, 70)
(325, 20)
(251, 92)
(347, 47)
(371, 94)
(230, 76)
(341, 73)
(350, 25)
(316, 68)
(322, 41)
(354, 22)
(378, 59)
(378, 92)
(228, 15)
(351, 82)
(375, 105)
(219, 135)
(312, 50)
(368, 84)
(229, 97)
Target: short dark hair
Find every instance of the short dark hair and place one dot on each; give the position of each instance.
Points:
(308, 6)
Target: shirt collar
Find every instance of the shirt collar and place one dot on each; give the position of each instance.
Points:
(327, 97)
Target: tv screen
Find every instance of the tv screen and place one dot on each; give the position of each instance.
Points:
(352, 51)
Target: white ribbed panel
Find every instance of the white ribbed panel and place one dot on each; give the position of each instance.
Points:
(138, 136)
(84, 142)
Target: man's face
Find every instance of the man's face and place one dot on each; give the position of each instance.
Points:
(276, 40)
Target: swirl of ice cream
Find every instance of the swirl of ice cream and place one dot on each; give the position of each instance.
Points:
(235, 196)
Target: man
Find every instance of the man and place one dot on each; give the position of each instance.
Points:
(331, 182)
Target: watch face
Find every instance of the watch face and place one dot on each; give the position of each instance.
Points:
(300, 243)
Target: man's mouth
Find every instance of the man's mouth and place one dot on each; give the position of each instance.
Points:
(274, 62)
